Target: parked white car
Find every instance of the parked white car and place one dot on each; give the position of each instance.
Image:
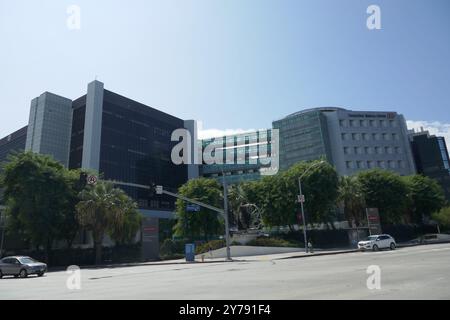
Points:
(377, 242)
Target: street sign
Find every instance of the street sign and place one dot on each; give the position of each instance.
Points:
(373, 221)
(192, 208)
(159, 190)
(92, 180)
(301, 198)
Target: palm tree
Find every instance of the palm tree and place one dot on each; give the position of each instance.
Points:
(351, 198)
(125, 232)
(101, 207)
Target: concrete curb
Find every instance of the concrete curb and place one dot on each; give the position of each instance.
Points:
(240, 259)
(328, 253)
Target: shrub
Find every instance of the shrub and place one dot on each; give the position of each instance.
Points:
(319, 238)
(271, 242)
(213, 244)
(171, 249)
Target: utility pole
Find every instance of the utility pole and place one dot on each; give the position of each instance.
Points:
(225, 213)
(301, 199)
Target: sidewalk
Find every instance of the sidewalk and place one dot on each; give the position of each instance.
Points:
(265, 257)
(198, 260)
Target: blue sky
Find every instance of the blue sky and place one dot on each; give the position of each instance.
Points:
(232, 64)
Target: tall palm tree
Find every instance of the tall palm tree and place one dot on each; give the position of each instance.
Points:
(125, 232)
(101, 207)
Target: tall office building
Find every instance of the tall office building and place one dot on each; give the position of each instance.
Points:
(303, 137)
(431, 157)
(128, 142)
(49, 126)
(350, 140)
(240, 157)
(14, 142)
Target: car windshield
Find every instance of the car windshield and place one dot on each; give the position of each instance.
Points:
(27, 260)
(371, 238)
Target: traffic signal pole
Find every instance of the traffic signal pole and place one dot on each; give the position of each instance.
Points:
(223, 212)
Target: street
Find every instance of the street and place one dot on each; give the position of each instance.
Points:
(420, 272)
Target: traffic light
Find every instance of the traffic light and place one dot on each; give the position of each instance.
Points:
(152, 191)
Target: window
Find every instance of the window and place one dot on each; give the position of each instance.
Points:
(395, 136)
(360, 164)
(378, 150)
(370, 164)
(386, 136)
(372, 123)
(444, 154)
(382, 164)
(352, 123)
(391, 164)
(398, 150)
(368, 150)
(349, 164)
(366, 136)
(356, 136)
(343, 123)
(346, 150)
(388, 150)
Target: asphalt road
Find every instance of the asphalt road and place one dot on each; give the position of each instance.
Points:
(421, 272)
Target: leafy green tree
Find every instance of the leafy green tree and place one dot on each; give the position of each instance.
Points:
(386, 191)
(103, 209)
(319, 185)
(426, 196)
(205, 223)
(38, 194)
(352, 199)
(277, 195)
(70, 227)
(276, 208)
(443, 217)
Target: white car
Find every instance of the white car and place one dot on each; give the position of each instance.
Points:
(377, 242)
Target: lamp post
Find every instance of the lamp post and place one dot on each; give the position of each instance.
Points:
(302, 200)
(225, 215)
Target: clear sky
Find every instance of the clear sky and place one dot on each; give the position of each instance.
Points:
(233, 64)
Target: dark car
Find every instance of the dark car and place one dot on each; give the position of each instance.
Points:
(21, 266)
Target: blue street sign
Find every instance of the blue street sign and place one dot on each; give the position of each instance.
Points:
(192, 208)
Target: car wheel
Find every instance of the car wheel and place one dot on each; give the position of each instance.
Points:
(392, 246)
(40, 274)
(1, 274)
(23, 273)
(375, 247)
